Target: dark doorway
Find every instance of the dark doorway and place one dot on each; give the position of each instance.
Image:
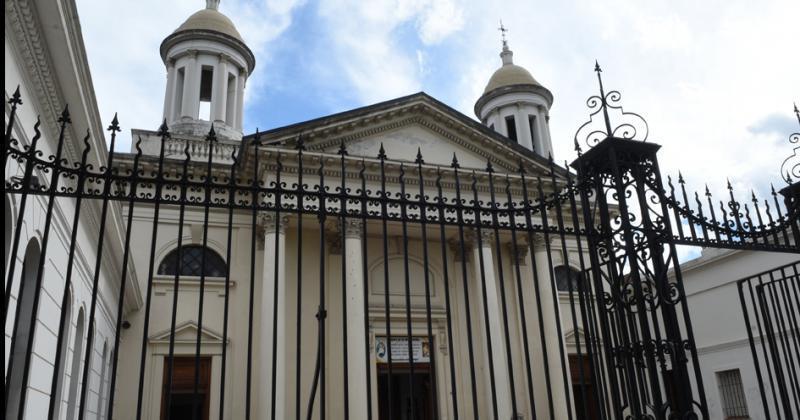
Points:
(401, 405)
(183, 389)
(583, 392)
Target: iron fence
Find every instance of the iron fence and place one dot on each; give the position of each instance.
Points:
(484, 300)
(771, 303)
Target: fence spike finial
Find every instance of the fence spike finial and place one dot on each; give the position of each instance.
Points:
(796, 112)
(342, 149)
(382, 152)
(212, 135)
(163, 129)
(419, 160)
(16, 98)
(708, 193)
(300, 143)
(489, 167)
(454, 163)
(64, 118)
(114, 127)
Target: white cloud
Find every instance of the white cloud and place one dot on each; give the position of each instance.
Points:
(366, 44)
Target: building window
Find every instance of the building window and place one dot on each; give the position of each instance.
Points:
(181, 401)
(734, 403)
(177, 107)
(567, 278)
(206, 85)
(22, 330)
(61, 374)
(230, 101)
(190, 262)
(532, 125)
(101, 392)
(511, 128)
(75, 370)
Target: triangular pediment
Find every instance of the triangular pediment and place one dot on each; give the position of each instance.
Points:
(403, 140)
(186, 332)
(405, 125)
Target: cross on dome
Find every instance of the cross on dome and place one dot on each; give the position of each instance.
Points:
(503, 31)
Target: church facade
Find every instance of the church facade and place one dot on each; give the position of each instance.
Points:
(207, 65)
(399, 260)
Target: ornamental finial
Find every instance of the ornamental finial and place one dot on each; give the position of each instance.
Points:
(503, 31)
(212, 4)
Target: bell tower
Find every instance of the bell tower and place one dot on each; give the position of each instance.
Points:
(207, 68)
(515, 105)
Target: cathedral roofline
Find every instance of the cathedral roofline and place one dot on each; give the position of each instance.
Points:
(284, 134)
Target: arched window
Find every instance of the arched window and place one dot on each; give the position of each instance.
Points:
(9, 224)
(567, 278)
(23, 328)
(59, 393)
(190, 262)
(101, 392)
(75, 370)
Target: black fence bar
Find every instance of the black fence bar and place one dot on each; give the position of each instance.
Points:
(769, 302)
(614, 215)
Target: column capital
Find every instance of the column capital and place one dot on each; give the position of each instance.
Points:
(518, 252)
(486, 237)
(456, 247)
(223, 58)
(538, 241)
(268, 223)
(352, 228)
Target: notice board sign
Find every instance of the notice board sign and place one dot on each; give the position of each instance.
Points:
(420, 349)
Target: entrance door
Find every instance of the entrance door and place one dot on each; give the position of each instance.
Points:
(583, 392)
(183, 396)
(410, 399)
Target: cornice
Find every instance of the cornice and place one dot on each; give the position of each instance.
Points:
(24, 23)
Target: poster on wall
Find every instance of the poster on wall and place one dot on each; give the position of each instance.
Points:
(420, 348)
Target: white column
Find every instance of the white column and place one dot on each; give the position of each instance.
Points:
(356, 335)
(191, 88)
(546, 129)
(543, 137)
(524, 128)
(459, 313)
(169, 96)
(218, 101)
(549, 308)
(274, 238)
(241, 79)
(496, 332)
(501, 124)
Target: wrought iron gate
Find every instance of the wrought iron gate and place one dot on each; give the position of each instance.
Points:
(771, 307)
(614, 220)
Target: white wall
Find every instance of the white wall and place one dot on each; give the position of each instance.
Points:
(719, 328)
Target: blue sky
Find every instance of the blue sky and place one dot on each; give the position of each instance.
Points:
(715, 79)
